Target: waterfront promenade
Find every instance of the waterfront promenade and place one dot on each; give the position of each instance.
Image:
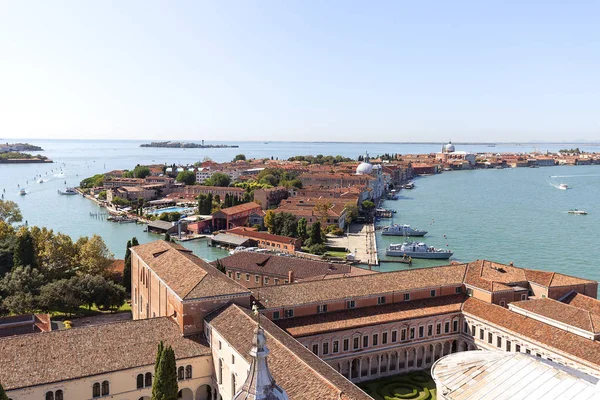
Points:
(360, 241)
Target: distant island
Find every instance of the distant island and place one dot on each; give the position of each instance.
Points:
(12, 147)
(183, 145)
(15, 157)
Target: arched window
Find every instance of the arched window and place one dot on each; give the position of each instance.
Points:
(140, 381)
(58, 395)
(180, 373)
(148, 379)
(105, 388)
(188, 372)
(95, 390)
(49, 395)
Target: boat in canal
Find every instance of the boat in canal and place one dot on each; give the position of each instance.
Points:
(401, 230)
(417, 250)
(68, 192)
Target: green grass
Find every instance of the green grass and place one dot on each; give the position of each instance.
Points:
(84, 311)
(340, 254)
(412, 386)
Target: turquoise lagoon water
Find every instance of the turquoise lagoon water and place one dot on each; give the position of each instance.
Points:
(503, 215)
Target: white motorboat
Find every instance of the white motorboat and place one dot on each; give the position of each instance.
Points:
(22, 192)
(401, 230)
(563, 186)
(577, 212)
(68, 192)
(40, 180)
(417, 250)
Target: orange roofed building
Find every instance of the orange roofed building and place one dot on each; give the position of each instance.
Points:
(232, 217)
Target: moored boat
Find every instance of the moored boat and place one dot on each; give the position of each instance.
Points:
(401, 230)
(417, 250)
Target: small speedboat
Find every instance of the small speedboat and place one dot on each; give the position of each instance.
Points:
(40, 180)
(22, 192)
(563, 186)
(68, 192)
(417, 250)
(577, 212)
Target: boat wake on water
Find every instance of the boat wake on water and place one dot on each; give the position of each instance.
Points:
(574, 176)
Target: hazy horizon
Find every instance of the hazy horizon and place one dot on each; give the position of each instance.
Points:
(339, 71)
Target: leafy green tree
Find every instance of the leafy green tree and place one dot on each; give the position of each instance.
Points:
(3, 395)
(19, 303)
(112, 296)
(168, 237)
(7, 250)
(239, 157)
(127, 268)
(24, 251)
(119, 201)
(93, 181)
(187, 177)
(164, 386)
(218, 179)
(10, 212)
(94, 256)
(141, 171)
(351, 211)
(368, 205)
(302, 229)
(62, 295)
(134, 242)
(57, 254)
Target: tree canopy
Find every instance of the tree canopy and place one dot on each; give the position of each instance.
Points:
(218, 179)
(10, 212)
(187, 177)
(239, 157)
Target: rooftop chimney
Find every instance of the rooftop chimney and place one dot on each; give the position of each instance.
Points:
(291, 276)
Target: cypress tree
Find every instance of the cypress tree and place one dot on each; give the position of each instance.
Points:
(164, 386)
(167, 237)
(127, 268)
(134, 242)
(3, 395)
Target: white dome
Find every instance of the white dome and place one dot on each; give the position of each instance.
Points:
(449, 148)
(364, 169)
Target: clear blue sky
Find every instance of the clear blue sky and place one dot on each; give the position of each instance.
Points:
(301, 70)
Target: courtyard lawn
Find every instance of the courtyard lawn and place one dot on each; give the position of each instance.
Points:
(413, 386)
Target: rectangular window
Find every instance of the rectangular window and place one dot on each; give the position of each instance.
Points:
(355, 343)
(523, 296)
(266, 280)
(381, 300)
(384, 337)
(229, 274)
(336, 346)
(508, 345)
(455, 326)
(346, 344)
(498, 341)
(315, 349)
(412, 333)
(394, 336)
(403, 335)
(351, 304)
(490, 338)
(289, 313)
(365, 341)
(233, 358)
(237, 275)
(469, 292)
(517, 348)
(406, 296)
(480, 334)
(421, 331)
(466, 327)
(325, 348)
(458, 289)
(528, 351)
(256, 278)
(375, 339)
(447, 327)
(502, 303)
(276, 315)
(438, 329)
(432, 293)
(276, 281)
(473, 330)
(322, 308)
(220, 345)
(429, 330)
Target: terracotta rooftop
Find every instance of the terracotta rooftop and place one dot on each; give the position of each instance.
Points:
(239, 208)
(277, 265)
(252, 233)
(341, 288)
(553, 279)
(297, 370)
(368, 316)
(76, 353)
(561, 312)
(582, 301)
(563, 341)
(187, 275)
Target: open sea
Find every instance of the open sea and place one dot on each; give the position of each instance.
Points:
(502, 215)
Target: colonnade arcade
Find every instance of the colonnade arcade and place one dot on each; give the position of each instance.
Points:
(398, 360)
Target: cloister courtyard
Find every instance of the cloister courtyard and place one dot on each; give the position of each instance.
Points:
(413, 386)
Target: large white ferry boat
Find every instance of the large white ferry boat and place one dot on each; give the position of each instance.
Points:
(401, 230)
